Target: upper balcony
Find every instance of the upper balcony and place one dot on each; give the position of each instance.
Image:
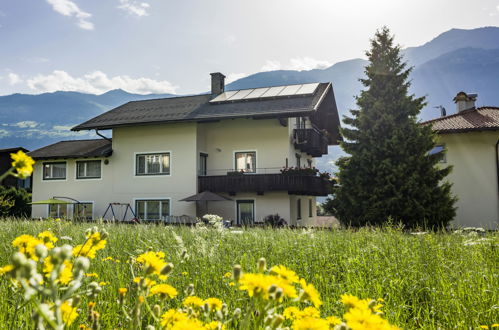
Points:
(311, 141)
(294, 184)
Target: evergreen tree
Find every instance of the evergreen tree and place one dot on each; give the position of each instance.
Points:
(390, 173)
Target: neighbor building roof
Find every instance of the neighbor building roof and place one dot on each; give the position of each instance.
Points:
(199, 108)
(479, 119)
(74, 149)
(13, 149)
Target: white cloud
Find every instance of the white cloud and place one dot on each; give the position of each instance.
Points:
(4, 133)
(308, 63)
(234, 76)
(69, 8)
(134, 7)
(297, 63)
(97, 82)
(271, 65)
(14, 79)
(26, 124)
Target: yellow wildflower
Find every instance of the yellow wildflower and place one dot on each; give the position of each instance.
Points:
(333, 320)
(228, 275)
(48, 239)
(122, 291)
(259, 285)
(141, 299)
(27, 244)
(147, 282)
(108, 258)
(83, 327)
(103, 283)
(91, 304)
(153, 262)
(92, 275)
(310, 293)
(69, 313)
(311, 323)
(285, 273)
(66, 274)
(88, 249)
(23, 164)
(352, 301)
(164, 291)
(362, 318)
(193, 301)
(294, 313)
(6, 269)
(214, 303)
(172, 316)
(188, 324)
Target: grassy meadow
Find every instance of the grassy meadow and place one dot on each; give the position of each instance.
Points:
(428, 281)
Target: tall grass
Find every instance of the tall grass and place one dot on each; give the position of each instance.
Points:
(430, 281)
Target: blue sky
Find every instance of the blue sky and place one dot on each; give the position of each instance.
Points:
(161, 46)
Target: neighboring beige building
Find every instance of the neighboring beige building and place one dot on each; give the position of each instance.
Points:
(232, 143)
(470, 139)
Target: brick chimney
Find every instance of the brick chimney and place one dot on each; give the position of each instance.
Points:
(217, 83)
(465, 101)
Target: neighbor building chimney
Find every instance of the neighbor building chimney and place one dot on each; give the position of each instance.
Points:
(217, 83)
(465, 101)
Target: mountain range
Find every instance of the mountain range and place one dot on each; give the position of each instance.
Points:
(456, 60)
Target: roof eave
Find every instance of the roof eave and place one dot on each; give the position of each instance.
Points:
(466, 130)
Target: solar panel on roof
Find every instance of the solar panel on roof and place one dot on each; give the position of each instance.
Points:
(290, 90)
(273, 91)
(266, 92)
(308, 88)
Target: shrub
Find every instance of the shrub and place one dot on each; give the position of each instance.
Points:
(274, 220)
(14, 202)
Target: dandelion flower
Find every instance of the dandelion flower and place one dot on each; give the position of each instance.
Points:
(214, 303)
(193, 301)
(48, 239)
(6, 269)
(285, 273)
(93, 244)
(164, 291)
(310, 293)
(27, 244)
(311, 323)
(153, 262)
(172, 316)
(122, 291)
(69, 313)
(23, 164)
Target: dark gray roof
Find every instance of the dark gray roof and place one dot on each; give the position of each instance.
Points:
(74, 149)
(13, 149)
(198, 108)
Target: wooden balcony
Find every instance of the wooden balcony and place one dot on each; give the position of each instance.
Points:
(311, 141)
(261, 183)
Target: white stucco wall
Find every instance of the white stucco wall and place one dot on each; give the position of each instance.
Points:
(184, 141)
(474, 177)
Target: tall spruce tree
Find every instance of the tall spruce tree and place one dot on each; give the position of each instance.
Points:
(390, 173)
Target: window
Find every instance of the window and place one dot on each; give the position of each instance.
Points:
(298, 160)
(298, 209)
(246, 161)
(152, 209)
(58, 210)
(301, 122)
(245, 212)
(24, 183)
(54, 171)
(439, 149)
(90, 169)
(203, 160)
(83, 211)
(310, 210)
(153, 164)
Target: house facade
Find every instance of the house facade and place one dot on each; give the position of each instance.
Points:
(470, 140)
(232, 143)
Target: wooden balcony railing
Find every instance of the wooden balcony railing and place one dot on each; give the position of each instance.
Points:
(261, 183)
(311, 141)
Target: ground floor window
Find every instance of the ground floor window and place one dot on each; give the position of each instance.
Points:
(245, 212)
(58, 210)
(157, 209)
(83, 211)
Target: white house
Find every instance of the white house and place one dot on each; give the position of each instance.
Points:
(470, 140)
(232, 143)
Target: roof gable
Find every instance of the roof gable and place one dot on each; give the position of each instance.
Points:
(480, 119)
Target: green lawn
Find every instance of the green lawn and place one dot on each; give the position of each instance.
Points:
(430, 281)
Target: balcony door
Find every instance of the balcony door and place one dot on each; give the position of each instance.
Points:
(245, 212)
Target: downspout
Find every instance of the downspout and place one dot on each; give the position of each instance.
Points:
(106, 138)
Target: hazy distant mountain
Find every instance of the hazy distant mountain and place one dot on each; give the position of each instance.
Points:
(33, 121)
(455, 60)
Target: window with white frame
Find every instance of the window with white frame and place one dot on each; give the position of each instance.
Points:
(54, 171)
(439, 149)
(88, 169)
(58, 210)
(157, 209)
(83, 211)
(153, 164)
(246, 161)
